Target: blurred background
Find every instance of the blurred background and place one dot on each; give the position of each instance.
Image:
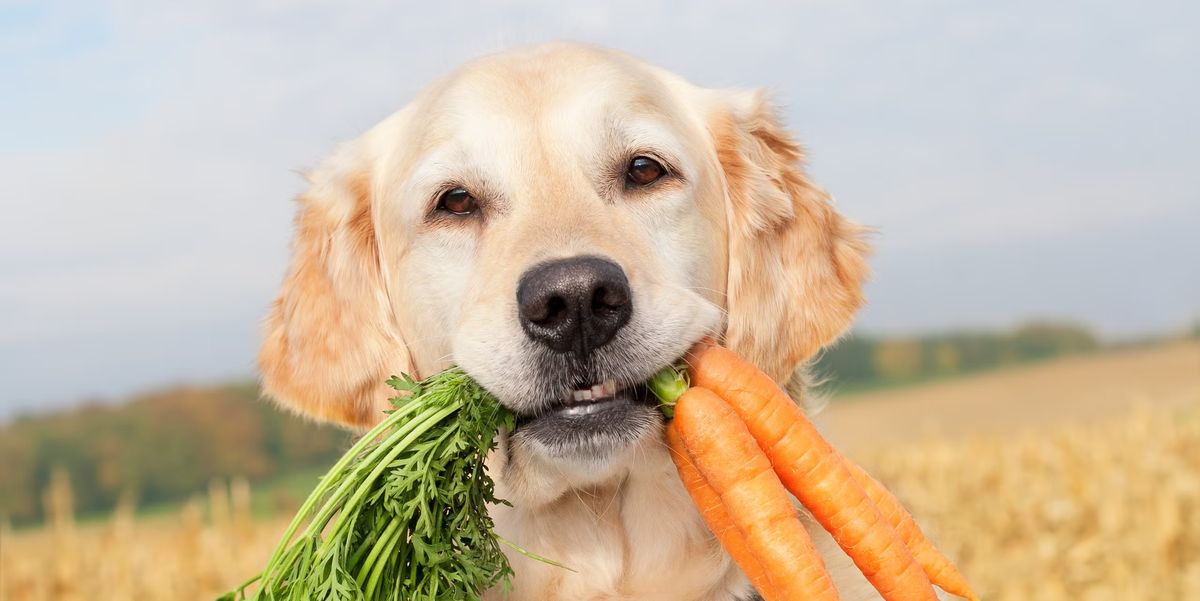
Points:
(1026, 376)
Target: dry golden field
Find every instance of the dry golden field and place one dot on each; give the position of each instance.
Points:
(198, 553)
(1075, 479)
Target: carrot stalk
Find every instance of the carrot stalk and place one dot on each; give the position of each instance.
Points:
(812, 470)
(755, 500)
(937, 567)
(712, 509)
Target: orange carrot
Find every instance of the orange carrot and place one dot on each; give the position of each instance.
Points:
(712, 509)
(812, 470)
(753, 497)
(937, 567)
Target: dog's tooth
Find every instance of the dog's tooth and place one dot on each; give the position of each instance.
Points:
(582, 395)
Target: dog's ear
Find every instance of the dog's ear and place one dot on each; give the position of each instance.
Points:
(331, 340)
(796, 266)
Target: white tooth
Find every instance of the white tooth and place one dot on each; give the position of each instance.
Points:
(582, 395)
(598, 391)
(610, 387)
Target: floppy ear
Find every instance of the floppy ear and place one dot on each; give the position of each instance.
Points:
(331, 340)
(796, 266)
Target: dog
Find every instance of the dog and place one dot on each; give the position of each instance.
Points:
(557, 219)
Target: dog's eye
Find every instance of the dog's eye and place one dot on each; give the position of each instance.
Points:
(458, 201)
(644, 171)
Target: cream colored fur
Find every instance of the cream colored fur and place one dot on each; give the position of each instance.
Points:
(741, 245)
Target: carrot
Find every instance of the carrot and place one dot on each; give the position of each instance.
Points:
(712, 509)
(937, 567)
(812, 470)
(753, 497)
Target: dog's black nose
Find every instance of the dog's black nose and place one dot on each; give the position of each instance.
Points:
(574, 305)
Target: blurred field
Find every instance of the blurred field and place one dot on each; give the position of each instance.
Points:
(1069, 390)
(1076, 479)
(1072, 479)
(199, 552)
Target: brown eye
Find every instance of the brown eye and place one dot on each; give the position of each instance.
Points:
(644, 171)
(458, 201)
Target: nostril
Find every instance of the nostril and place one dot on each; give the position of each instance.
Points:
(606, 298)
(554, 311)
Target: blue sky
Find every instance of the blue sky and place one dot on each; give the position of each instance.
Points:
(1020, 159)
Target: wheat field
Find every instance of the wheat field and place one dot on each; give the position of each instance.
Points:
(1102, 512)
(1104, 507)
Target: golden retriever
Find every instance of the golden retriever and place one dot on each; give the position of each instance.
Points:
(562, 221)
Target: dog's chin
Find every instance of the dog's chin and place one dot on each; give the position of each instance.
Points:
(592, 429)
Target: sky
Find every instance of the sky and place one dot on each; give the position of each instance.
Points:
(1018, 159)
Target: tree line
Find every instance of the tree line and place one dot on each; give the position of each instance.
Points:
(158, 447)
(862, 361)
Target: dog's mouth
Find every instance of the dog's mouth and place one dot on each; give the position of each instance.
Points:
(592, 419)
(595, 398)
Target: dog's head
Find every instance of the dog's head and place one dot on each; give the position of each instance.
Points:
(561, 222)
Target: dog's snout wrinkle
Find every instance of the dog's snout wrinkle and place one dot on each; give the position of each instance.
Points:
(574, 305)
